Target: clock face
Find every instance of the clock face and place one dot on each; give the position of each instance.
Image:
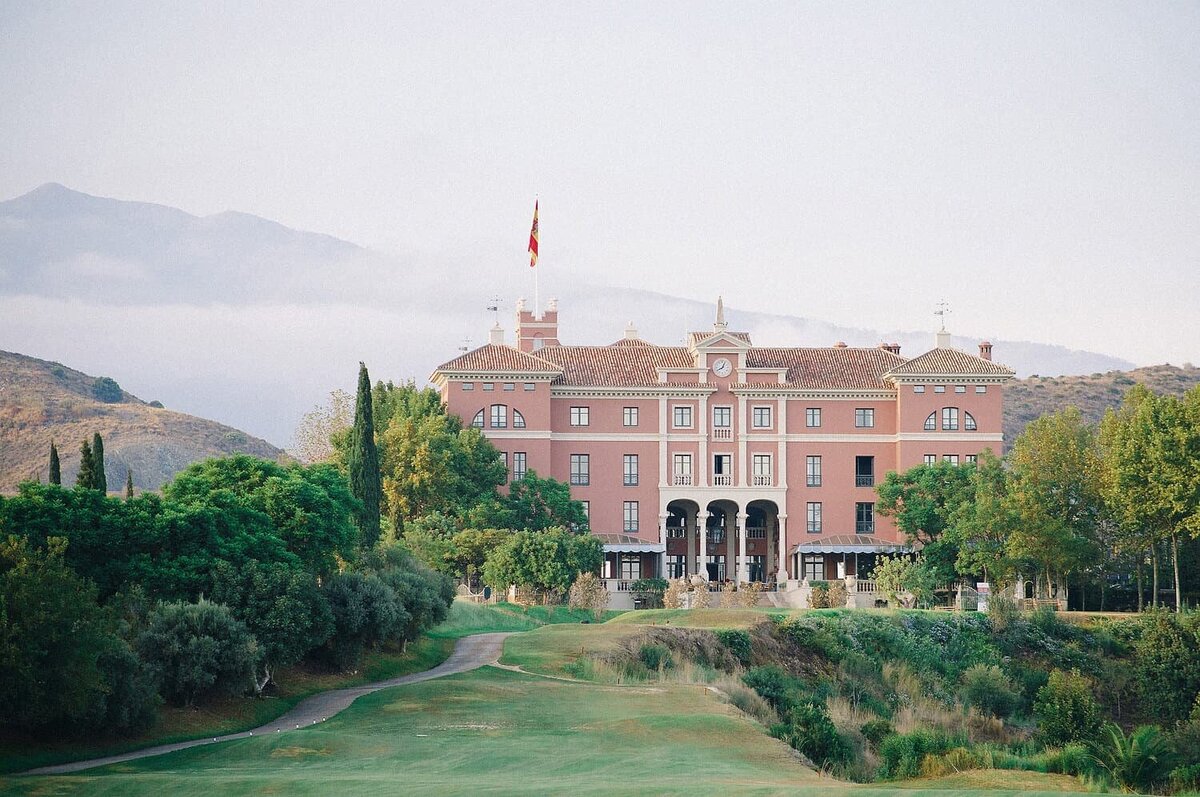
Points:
(722, 367)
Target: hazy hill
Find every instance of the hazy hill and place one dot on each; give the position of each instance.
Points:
(1026, 399)
(40, 401)
(238, 318)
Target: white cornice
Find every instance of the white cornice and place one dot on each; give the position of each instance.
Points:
(647, 391)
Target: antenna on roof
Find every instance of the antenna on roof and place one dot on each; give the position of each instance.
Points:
(466, 345)
(943, 310)
(494, 308)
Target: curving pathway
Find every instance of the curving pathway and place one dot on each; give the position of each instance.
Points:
(470, 653)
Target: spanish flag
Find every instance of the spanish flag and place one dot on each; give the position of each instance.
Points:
(533, 238)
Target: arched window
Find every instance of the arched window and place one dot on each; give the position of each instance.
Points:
(969, 421)
(930, 422)
(950, 419)
(518, 419)
(477, 421)
(499, 416)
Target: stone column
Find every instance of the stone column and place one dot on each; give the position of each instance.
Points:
(782, 575)
(743, 569)
(702, 533)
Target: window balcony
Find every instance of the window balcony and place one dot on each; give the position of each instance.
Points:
(676, 532)
(762, 480)
(682, 480)
(722, 433)
(864, 480)
(722, 480)
(716, 536)
(756, 532)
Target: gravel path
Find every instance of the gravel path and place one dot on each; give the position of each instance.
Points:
(470, 653)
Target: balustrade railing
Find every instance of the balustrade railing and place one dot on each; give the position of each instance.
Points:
(722, 433)
(683, 479)
(722, 480)
(864, 480)
(762, 480)
(756, 532)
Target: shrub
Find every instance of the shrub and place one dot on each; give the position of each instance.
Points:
(106, 389)
(837, 594)
(656, 658)
(198, 650)
(738, 643)
(588, 592)
(1002, 613)
(989, 690)
(366, 612)
(903, 753)
(673, 595)
(1138, 762)
(819, 597)
(775, 685)
(130, 699)
(1167, 666)
(1066, 710)
(743, 596)
(650, 591)
(156, 404)
(808, 729)
(876, 730)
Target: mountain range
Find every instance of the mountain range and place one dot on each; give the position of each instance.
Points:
(239, 318)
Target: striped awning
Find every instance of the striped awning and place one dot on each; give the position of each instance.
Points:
(626, 543)
(851, 543)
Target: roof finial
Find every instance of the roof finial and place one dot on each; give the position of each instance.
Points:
(720, 326)
(943, 310)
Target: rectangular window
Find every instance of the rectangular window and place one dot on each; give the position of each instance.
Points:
(468, 385)
(587, 509)
(683, 470)
(631, 470)
(814, 566)
(631, 567)
(518, 470)
(676, 566)
(581, 469)
(761, 463)
(630, 416)
(918, 388)
(864, 418)
(931, 459)
(864, 471)
(950, 419)
(981, 388)
(722, 470)
(722, 417)
(814, 517)
(812, 417)
(530, 387)
(939, 388)
(509, 386)
(812, 467)
(864, 517)
(683, 417)
(951, 458)
(960, 388)
(488, 386)
(504, 459)
(499, 416)
(579, 416)
(972, 459)
(631, 516)
(762, 417)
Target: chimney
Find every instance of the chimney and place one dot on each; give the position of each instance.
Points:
(894, 348)
(534, 332)
(943, 339)
(496, 336)
(841, 344)
(631, 332)
(985, 350)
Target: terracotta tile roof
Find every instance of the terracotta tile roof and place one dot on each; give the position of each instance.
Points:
(950, 362)
(494, 357)
(614, 366)
(630, 342)
(828, 368)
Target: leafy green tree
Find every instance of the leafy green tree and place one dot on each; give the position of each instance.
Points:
(1066, 709)
(55, 465)
(538, 503)
(198, 650)
(1167, 665)
(107, 390)
(86, 478)
(366, 613)
(923, 500)
(982, 523)
(988, 689)
(1054, 492)
(908, 582)
(547, 560)
(100, 480)
(282, 607)
(128, 483)
(471, 548)
(52, 634)
(362, 463)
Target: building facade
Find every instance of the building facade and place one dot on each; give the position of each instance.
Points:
(723, 459)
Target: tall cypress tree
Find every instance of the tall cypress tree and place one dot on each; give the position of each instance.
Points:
(86, 480)
(55, 465)
(100, 481)
(129, 482)
(362, 461)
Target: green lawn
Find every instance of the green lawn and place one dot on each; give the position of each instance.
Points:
(467, 617)
(229, 715)
(500, 732)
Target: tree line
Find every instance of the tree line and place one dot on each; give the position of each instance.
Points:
(1095, 507)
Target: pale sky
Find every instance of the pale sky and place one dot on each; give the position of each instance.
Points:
(1035, 164)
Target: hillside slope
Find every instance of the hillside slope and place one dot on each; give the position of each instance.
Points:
(1026, 399)
(41, 401)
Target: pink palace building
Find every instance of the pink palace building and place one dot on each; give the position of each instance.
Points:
(721, 458)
